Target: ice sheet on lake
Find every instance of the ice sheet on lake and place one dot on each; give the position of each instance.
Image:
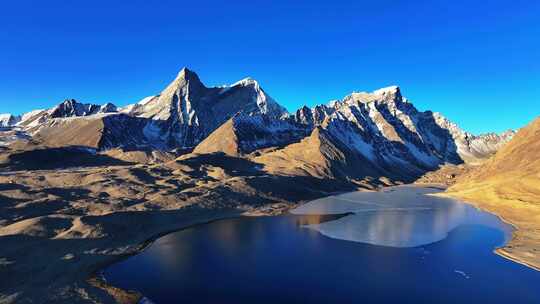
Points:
(404, 216)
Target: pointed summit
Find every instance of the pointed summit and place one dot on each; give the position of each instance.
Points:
(188, 75)
(187, 111)
(186, 78)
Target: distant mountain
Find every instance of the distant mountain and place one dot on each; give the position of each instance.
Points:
(72, 108)
(381, 128)
(8, 120)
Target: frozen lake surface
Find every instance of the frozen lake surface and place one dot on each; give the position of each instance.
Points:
(405, 216)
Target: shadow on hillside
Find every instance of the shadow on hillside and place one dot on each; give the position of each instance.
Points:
(286, 187)
(233, 166)
(58, 158)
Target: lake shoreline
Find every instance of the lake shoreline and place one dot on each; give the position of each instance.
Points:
(517, 231)
(132, 296)
(99, 281)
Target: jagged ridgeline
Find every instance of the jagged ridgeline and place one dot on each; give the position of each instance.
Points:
(364, 133)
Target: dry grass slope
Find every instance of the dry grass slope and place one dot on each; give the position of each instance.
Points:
(223, 139)
(509, 185)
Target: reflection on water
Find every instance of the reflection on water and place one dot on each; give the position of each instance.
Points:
(268, 260)
(404, 217)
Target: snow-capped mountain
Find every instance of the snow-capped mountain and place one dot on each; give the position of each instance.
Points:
(386, 128)
(72, 108)
(381, 127)
(181, 116)
(473, 148)
(187, 111)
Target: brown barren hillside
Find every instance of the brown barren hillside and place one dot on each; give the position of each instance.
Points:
(509, 185)
(224, 140)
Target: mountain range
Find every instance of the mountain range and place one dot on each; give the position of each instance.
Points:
(375, 134)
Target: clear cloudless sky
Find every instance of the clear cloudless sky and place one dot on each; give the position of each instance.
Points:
(477, 62)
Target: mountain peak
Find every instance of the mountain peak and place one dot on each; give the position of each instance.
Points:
(71, 107)
(187, 75)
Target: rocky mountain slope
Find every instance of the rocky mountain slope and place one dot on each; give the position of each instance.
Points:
(386, 125)
(509, 185)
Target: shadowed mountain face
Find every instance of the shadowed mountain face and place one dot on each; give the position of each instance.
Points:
(379, 132)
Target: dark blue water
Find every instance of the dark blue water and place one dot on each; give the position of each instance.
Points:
(278, 260)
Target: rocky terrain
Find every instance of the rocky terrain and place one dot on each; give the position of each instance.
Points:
(88, 184)
(509, 185)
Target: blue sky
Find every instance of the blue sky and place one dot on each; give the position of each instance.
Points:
(477, 62)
